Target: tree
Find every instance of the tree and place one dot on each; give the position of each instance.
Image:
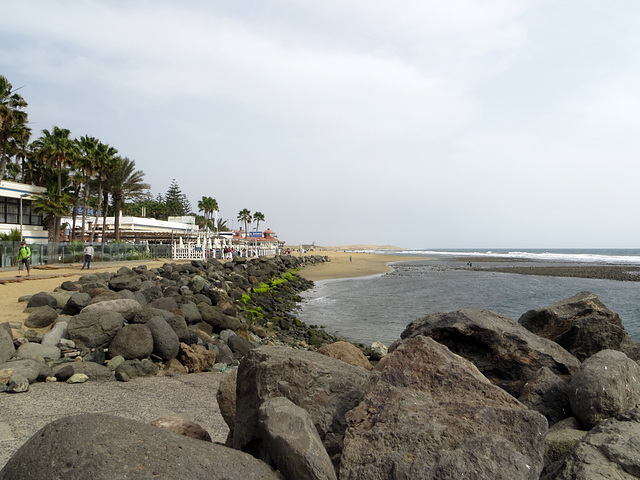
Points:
(208, 205)
(53, 205)
(57, 150)
(258, 217)
(105, 162)
(86, 164)
(13, 119)
(244, 216)
(176, 201)
(124, 183)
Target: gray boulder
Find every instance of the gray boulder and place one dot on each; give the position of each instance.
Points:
(548, 394)
(191, 313)
(132, 341)
(610, 450)
(76, 303)
(32, 369)
(607, 384)
(57, 333)
(215, 317)
(582, 325)
(240, 346)
(103, 447)
(506, 353)
(434, 415)
(96, 372)
(292, 441)
(179, 325)
(126, 307)
(561, 440)
(95, 329)
(166, 343)
(37, 350)
(125, 281)
(165, 303)
(325, 387)
(130, 369)
(41, 317)
(7, 348)
(41, 299)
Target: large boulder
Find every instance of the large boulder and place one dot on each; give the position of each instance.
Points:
(347, 352)
(41, 317)
(610, 450)
(607, 384)
(166, 343)
(548, 394)
(37, 350)
(132, 341)
(434, 415)
(41, 299)
(125, 281)
(76, 303)
(505, 352)
(292, 441)
(95, 329)
(215, 317)
(582, 325)
(7, 348)
(325, 387)
(31, 368)
(126, 307)
(104, 447)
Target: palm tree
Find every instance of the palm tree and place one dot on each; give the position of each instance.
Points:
(13, 119)
(124, 183)
(244, 216)
(105, 162)
(52, 205)
(88, 147)
(258, 217)
(208, 205)
(57, 150)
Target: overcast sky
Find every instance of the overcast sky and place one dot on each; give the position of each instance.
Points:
(418, 123)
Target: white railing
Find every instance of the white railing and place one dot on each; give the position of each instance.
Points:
(195, 251)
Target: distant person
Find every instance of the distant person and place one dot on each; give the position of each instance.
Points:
(24, 258)
(350, 258)
(88, 256)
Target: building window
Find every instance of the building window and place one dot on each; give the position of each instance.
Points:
(10, 212)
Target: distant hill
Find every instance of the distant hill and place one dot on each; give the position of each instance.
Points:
(361, 247)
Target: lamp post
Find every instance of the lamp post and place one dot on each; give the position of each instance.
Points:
(20, 213)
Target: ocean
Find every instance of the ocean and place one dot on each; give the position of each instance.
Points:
(378, 308)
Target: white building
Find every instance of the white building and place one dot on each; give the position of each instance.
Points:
(15, 198)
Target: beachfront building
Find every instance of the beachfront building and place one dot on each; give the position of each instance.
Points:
(16, 212)
(136, 229)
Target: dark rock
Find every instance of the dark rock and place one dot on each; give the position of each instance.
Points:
(166, 343)
(65, 373)
(226, 398)
(125, 307)
(95, 329)
(561, 440)
(191, 313)
(292, 442)
(70, 286)
(582, 325)
(548, 394)
(239, 346)
(218, 320)
(179, 325)
(41, 317)
(610, 450)
(130, 369)
(41, 299)
(94, 355)
(95, 371)
(7, 348)
(325, 387)
(225, 354)
(132, 341)
(103, 447)
(434, 415)
(607, 384)
(125, 281)
(504, 351)
(165, 303)
(76, 303)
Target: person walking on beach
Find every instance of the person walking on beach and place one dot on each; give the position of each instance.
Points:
(88, 256)
(24, 257)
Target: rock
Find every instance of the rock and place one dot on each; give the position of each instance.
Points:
(130, 369)
(196, 358)
(77, 378)
(64, 373)
(548, 394)
(95, 329)
(132, 341)
(61, 298)
(226, 398)
(76, 303)
(95, 372)
(70, 286)
(37, 350)
(239, 346)
(561, 439)
(127, 308)
(178, 324)
(125, 281)
(610, 450)
(346, 352)
(57, 333)
(326, 387)
(225, 355)
(217, 319)
(17, 384)
(504, 351)
(165, 303)
(41, 299)
(191, 313)
(41, 317)
(434, 415)
(174, 367)
(582, 325)
(7, 349)
(198, 284)
(32, 369)
(378, 350)
(98, 446)
(292, 442)
(166, 343)
(182, 426)
(607, 384)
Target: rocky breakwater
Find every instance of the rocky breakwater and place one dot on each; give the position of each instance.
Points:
(466, 394)
(179, 318)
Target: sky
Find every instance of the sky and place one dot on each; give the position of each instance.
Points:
(416, 123)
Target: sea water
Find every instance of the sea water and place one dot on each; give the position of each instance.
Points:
(378, 308)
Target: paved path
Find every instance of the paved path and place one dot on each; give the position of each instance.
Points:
(192, 396)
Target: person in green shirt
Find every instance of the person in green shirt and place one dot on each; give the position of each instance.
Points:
(24, 257)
